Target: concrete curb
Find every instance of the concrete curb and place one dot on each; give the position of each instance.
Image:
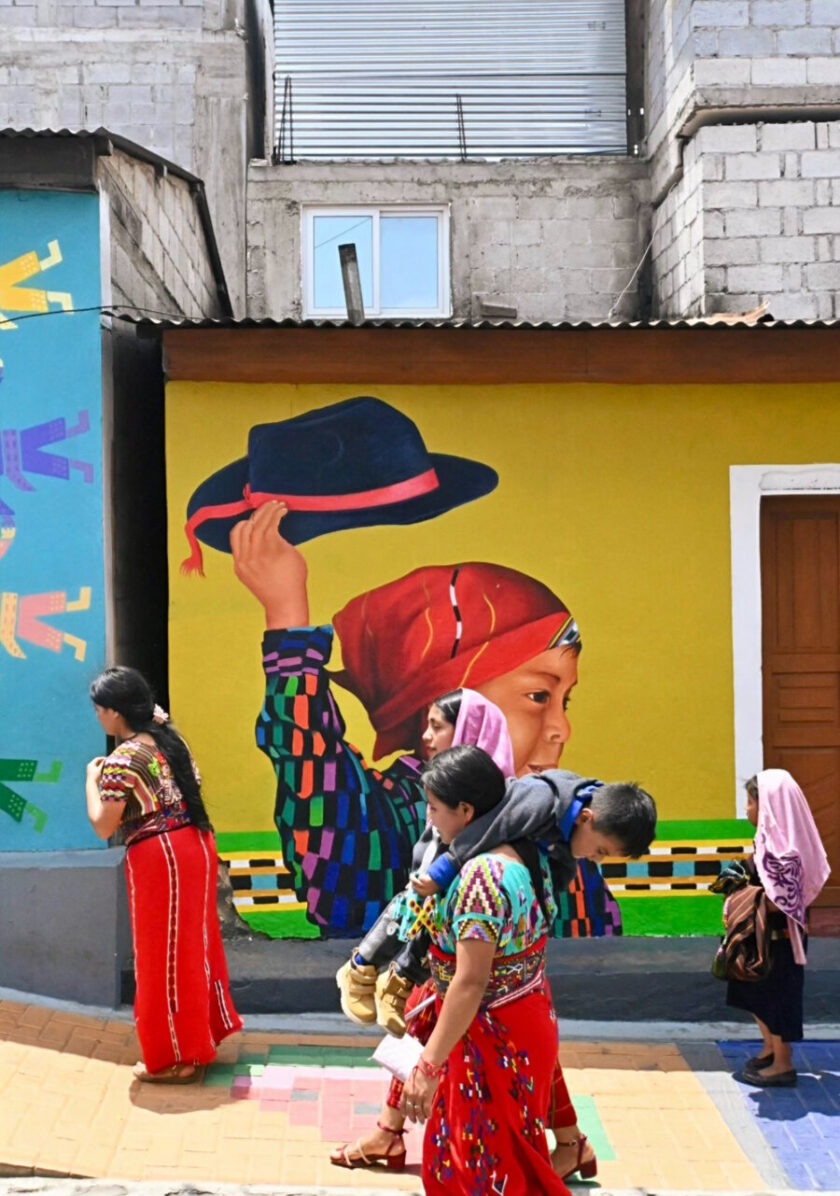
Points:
(569, 1029)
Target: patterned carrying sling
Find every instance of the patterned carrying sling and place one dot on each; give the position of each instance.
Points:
(744, 953)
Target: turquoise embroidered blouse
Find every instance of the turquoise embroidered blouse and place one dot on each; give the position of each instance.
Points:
(493, 899)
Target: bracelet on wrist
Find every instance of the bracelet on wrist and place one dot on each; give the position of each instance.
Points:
(429, 1069)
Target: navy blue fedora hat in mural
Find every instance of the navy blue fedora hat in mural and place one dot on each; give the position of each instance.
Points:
(358, 463)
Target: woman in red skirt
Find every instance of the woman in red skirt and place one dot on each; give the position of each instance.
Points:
(150, 790)
(484, 1080)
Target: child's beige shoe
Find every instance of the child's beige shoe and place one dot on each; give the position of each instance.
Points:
(391, 995)
(357, 986)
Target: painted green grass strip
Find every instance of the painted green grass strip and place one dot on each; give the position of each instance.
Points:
(284, 924)
(249, 841)
(713, 828)
(654, 917)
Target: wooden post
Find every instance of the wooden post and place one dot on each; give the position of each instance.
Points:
(352, 283)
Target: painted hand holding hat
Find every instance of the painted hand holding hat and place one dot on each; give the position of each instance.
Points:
(358, 463)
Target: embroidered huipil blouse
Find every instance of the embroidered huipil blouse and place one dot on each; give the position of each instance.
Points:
(493, 899)
(139, 775)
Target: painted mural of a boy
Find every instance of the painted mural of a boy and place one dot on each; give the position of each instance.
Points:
(347, 829)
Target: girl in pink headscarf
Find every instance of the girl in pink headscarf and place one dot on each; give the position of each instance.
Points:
(790, 863)
(460, 717)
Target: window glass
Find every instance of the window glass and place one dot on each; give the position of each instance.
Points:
(328, 233)
(408, 263)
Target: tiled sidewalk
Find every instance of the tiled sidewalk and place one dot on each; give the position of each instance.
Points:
(801, 1124)
(273, 1106)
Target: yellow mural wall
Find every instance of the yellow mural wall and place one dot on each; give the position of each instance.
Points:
(617, 497)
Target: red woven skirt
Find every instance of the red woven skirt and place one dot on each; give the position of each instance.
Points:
(561, 1111)
(182, 1006)
(487, 1129)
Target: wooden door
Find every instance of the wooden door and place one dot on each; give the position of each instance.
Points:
(800, 600)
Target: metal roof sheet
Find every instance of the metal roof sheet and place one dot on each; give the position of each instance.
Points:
(151, 322)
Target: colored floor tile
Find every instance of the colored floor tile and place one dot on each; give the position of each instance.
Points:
(273, 1106)
(802, 1124)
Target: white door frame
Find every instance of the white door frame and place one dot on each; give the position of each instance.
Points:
(748, 484)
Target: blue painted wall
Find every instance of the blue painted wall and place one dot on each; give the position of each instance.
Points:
(52, 615)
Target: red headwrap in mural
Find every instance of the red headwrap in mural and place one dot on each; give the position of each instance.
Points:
(439, 628)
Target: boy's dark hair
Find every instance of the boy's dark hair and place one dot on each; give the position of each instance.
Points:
(465, 773)
(751, 787)
(625, 810)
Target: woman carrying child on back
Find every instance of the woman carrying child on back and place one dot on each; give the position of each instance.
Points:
(576, 818)
(790, 863)
(484, 1078)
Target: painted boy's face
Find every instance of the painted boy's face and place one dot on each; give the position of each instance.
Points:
(447, 822)
(587, 843)
(534, 699)
(438, 734)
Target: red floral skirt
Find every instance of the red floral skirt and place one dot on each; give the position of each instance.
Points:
(486, 1133)
(561, 1111)
(182, 1006)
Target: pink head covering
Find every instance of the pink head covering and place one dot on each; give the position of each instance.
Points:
(789, 856)
(481, 723)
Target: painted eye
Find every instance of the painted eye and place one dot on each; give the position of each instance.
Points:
(540, 696)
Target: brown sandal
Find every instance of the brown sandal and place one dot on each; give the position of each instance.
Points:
(395, 1162)
(169, 1075)
(586, 1170)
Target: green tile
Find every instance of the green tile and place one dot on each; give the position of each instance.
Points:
(590, 1123)
(218, 1079)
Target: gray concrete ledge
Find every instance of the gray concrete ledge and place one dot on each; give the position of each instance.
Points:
(64, 928)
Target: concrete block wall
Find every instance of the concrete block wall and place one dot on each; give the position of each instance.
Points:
(677, 242)
(557, 240)
(722, 56)
(159, 258)
(761, 46)
(770, 200)
(668, 63)
(170, 76)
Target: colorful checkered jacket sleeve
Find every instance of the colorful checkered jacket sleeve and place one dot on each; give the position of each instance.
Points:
(346, 830)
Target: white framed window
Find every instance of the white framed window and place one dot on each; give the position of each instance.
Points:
(403, 255)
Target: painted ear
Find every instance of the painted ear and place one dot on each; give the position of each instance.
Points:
(586, 815)
(469, 811)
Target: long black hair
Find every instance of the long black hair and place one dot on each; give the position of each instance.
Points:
(129, 693)
(449, 705)
(467, 774)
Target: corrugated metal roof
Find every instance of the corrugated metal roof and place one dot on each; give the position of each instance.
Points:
(123, 143)
(104, 139)
(521, 325)
(449, 78)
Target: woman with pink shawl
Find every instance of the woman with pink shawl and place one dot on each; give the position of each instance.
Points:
(790, 864)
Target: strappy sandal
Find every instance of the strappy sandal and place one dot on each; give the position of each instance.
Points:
(393, 1161)
(170, 1075)
(586, 1170)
